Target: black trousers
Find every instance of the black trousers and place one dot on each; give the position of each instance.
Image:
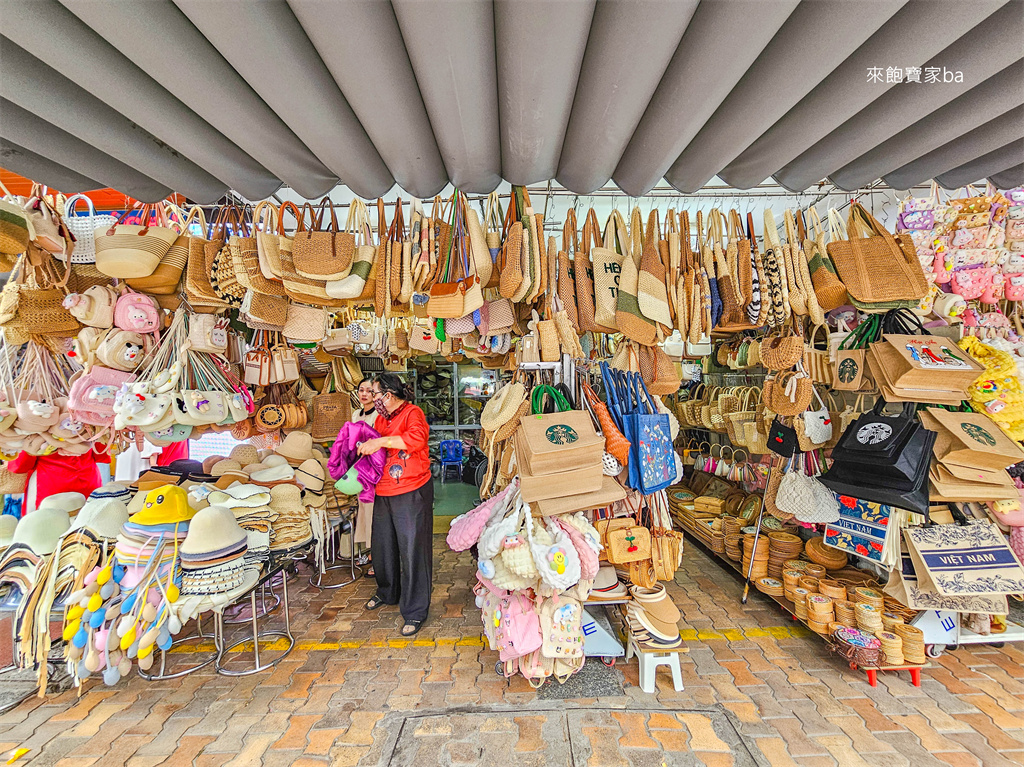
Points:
(401, 544)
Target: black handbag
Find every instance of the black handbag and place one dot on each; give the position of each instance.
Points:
(890, 451)
(782, 439)
(913, 499)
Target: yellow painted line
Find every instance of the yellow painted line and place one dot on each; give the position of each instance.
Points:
(691, 635)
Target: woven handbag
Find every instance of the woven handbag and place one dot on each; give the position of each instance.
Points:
(323, 254)
(84, 227)
(305, 323)
(874, 265)
(781, 352)
(566, 271)
(331, 411)
(32, 302)
(614, 441)
(816, 358)
(629, 544)
(788, 393)
(134, 250)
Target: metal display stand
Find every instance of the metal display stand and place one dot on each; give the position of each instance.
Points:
(280, 567)
(199, 635)
(333, 543)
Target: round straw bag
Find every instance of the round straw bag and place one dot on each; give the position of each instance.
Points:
(781, 352)
(789, 393)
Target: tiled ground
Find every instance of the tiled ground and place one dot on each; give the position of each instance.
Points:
(353, 693)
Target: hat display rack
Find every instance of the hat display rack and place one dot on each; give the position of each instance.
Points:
(167, 324)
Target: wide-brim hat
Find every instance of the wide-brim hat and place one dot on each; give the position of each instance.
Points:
(656, 603)
(67, 502)
(212, 530)
(658, 629)
(288, 497)
(164, 505)
(253, 467)
(502, 406)
(102, 516)
(311, 475)
(7, 524)
(229, 478)
(40, 530)
(296, 447)
(245, 454)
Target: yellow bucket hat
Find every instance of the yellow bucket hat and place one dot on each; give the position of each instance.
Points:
(165, 505)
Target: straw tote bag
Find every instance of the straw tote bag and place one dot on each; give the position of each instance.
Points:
(266, 221)
(874, 265)
(331, 411)
(628, 315)
(166, 278)
(585, 273)
(134, 250)
(320, 254)
(566, 272)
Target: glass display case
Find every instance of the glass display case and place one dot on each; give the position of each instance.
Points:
(452, 396)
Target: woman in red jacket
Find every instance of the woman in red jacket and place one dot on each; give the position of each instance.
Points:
(403, 510)
(57, 473)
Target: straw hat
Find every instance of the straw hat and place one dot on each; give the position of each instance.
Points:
(210, 462)
(223, 467)
(41, 529)
(311, 475)
(273, 460)
(607, 586)
(7, 524)
(66, 502)
(245, 454)
(502, 406)
(102, 516)
(164, 505)
(296, 447)
(112, 490)
(212, 530)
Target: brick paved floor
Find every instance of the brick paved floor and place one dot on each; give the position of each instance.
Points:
(758, 691)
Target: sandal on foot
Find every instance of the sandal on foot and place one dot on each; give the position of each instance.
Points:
(375, 603)
(369, 573)
(415, 625)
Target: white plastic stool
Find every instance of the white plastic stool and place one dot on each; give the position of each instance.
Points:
(650, 660)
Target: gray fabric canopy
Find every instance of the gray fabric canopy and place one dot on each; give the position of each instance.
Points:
(199, 97)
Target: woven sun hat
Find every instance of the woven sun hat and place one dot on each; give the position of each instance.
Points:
(245, 454)
(657, 603)
(310, 475)
(229, 478)
(7, 524)
(40, 530)
(283, 473)
(210, 462)
(111, 491)
(66, 502)
(296, 447)
(213, 531)
(273, 460)
(254, 467)
(264, 453)
(102, 516)
(502, 406)
(223, 467)
(164, 505)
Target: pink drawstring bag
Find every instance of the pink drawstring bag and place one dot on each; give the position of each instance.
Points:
(589, 562)
(466, 528)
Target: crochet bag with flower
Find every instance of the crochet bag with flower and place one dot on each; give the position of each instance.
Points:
(557, 562)
(587, 547)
